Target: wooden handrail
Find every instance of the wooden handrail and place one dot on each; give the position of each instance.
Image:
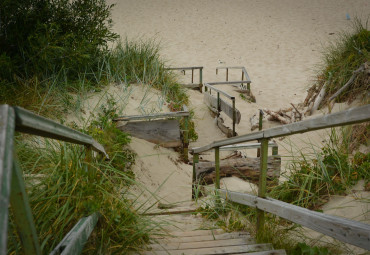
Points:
(349, 231)
(244, 71)
(350, 116)
(153, 116)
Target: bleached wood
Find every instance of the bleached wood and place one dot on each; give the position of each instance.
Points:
(245, 146)
(153, 116)
(350, 116)
(209, 86)
(225, 107)
(319, 98)
(223, 236)
(163, 132)
(201, 244)
(345, 230)
(217, 250)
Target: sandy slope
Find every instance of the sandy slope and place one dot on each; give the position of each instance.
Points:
(279, 42)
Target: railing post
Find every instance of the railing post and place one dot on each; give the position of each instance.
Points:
(234, 116)
(275, 150)
(249, 86)
(262, 187)
(186, 139)
(192, 75)
(22, 213)
(201, 79)
(259, 128)
(217, 170)
(195, 160)
(227, 74)
(218, 103)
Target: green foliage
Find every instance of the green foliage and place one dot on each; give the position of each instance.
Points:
(63, 187)
(304, 249)
(342, 57)
(330, 172)
(42, 37)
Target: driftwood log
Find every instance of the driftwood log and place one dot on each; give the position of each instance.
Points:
(244, 168)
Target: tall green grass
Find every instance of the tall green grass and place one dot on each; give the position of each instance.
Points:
(342, 57)
(63, 187)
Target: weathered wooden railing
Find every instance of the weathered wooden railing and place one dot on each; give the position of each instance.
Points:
(181, 114)
(345, 230)
(192, 68)
(244, 75)
(12, 187)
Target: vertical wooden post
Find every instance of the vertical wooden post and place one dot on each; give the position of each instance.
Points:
(194, 186)
(186, 139)
(218, 103)
(249, 87)
(22, 213)
(262, 187)
(227, 74)
(192, 75)
(234, 116)
(201, 79)
(259, 128)
(242, 75)
(217, 181)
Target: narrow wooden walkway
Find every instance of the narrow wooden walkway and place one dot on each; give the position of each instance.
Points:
(214, 241)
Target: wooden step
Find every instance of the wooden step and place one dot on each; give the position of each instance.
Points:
(223, 236)
(197, 233)
(273, 252)
(216, 250)
(201, 244)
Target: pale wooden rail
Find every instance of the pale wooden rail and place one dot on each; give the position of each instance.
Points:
(192, 68)
(12, 187)
(352, 232)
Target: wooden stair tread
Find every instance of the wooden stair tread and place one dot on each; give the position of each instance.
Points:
(217, 250)
(223, 236)
(201, 244)
(273, 252)
(197, 232)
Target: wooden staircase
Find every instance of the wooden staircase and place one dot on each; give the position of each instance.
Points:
(214, 241)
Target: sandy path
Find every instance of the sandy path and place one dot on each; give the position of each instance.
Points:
(279, 42)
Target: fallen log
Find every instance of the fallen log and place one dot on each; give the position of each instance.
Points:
(226, 130)
(244, 168)
(319, 97)
(277, 116)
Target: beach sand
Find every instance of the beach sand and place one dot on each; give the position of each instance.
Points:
(279, 43)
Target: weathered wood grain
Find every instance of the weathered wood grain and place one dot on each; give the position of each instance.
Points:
(201, 244)
(153, 116)
(349, 231)
(244, 168)
(7, 126)
(217, 250)
(222, 236)
(350, 116)
(163, 132)
(30, 123)
(225, 107)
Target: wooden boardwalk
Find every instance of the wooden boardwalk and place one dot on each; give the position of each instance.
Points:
(210, 242)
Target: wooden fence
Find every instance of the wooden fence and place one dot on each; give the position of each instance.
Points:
(192, 85)
(12, 187)
(349, 231)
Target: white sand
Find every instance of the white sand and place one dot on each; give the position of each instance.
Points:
(279, 42)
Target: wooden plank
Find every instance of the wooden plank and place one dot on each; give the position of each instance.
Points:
(201, 244)
(191, 86)
(207, 85)
(197, 232)
(7, 125)
(75, 240)
(273, 252)
(223, 236)
(350, 116)
(28, 122)
(226, 83)
(345, 230)
(349, 231)
(245, 168)
(217, 250)
(163, 132)
(177, 210)
(225, 107)
(22, 213)
(153, 116)
(245, 146)
(262, 185)
(184, 68)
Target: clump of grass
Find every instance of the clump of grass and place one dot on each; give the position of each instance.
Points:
(342, 57)
(331, 171)
(63, 187)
